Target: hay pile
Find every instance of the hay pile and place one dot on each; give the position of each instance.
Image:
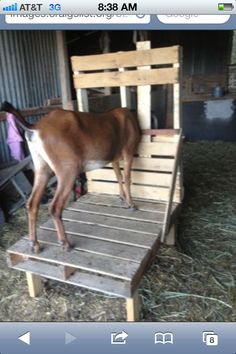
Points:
(193, 282)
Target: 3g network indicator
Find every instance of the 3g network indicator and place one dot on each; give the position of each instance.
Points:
(132, 7)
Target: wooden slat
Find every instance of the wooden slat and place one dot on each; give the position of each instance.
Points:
(114, 223)
(157, 148)
(102, 199)
(99, 247)
(97, 232)
(117, 212)
(156, 56)
(140, 177)
(84, 280)
(144, 94)
(127, 78)
(138, 191)
(148, 178)
(151, 164)
(108, 266)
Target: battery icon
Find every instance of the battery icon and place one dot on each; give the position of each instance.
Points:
(225, 7)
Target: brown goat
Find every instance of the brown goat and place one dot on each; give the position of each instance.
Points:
(67, 143)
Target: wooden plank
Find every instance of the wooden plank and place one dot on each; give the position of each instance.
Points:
(151, 164)
(82, 279)
(137, 191)
(140, 177)
(133, 307)
(125, 94)
(118, 212)
(127, 78)
(157, 148)
(155, 56)
(97, 232)
(82, 99)
(82, 260)
(99, 247)
(171, 192)
(144, 94)
(106, 199)
(64, 72)
(35, 284)
(114, 223)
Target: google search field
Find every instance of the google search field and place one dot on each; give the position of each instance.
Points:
(193, 19)
(76, 19)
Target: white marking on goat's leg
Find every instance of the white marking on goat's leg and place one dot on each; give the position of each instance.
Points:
(116, 167)
(40, 182)
(64, 187)
(127, 180)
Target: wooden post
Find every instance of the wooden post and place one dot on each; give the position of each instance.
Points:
(171, 236)
(144, 97)
(132, 307)
(64, 70)
(35, 284)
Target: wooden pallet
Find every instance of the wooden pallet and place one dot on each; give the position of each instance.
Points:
(113, 246)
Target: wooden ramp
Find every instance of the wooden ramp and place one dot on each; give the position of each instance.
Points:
(113, 245)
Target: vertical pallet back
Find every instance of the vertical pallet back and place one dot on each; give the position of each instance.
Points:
(153, 168)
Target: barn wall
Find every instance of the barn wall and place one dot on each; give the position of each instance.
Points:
(28, 73)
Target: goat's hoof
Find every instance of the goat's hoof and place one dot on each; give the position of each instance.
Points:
(66, 246)
(35, 247)
(133, 207)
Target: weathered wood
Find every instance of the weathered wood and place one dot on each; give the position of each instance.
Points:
(171, 236)
(141, 191)
(82, 279)
(64, 73)
(132, 307)
(153, 164)
(97, 232)
(126, 213)
(112, 222)
(110, 200)
(171, 191)
(140, 177)
(125, 94)
(35, 285)
(155, 56)
(144, 95)
(92, 246)
(127, 78)
(108, 266)
(157, 148)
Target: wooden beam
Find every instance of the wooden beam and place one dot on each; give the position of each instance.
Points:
(64, 70)
(35, 284)
(132, 307)
(127, 78)
(156, 56)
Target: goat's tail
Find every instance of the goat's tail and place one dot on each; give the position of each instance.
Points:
(8, 107)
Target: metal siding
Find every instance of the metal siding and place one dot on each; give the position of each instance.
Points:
(28, 73)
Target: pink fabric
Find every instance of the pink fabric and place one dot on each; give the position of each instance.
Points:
(14, 138)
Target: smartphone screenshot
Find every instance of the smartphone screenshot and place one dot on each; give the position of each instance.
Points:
(117, 177)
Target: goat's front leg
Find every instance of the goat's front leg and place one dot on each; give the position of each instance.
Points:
(127, 181)
(64, 187)
(40, 182)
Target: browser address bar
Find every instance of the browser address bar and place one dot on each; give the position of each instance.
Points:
(76, 19)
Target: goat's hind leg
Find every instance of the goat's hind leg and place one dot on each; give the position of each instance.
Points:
(41, 178)
(64, 187)
(116, 168)
(127, 181)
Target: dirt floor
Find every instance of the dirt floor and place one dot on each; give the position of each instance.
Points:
(194, 281)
